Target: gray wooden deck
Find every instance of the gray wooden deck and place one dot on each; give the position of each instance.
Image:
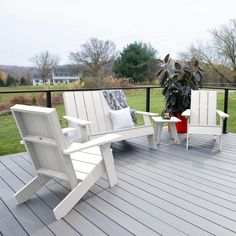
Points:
(166, 192)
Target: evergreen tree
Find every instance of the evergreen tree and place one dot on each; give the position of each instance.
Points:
(23, 81)
(10, 81)
(136, 62)
(2, 83)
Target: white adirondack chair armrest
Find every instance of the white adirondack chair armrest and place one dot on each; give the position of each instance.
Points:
(68, 130)
(146, 113)
(186, 113)
(222, 114)
(77, 121)
(95, 142)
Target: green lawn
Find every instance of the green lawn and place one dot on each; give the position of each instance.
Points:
(9, 96)
(9, 136)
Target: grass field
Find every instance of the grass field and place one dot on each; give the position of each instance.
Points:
(7, 97)
(9, 136)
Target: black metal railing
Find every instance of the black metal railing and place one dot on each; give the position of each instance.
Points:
(226, 101)
(49, 91)
(147, 88)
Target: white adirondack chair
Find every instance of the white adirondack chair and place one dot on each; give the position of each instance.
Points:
(91, 111)
(81, 165)
(202, 115)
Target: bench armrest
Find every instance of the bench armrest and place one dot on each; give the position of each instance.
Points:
(146, 113)
(186, 113)
(96, 142)
(222, 114)
(77, 121)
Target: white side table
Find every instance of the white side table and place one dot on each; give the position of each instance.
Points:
(159, 125)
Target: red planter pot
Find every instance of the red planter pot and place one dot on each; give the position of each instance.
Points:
(181, 127)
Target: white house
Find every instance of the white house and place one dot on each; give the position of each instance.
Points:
(65, 74)
(60, 74)
(37, 81)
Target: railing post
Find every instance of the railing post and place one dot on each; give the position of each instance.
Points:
(226, 98)
(49, 101)
(148, 99)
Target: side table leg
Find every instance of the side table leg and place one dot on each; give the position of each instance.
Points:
(158, 132)
(174, 133)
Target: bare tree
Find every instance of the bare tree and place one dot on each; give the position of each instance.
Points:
(95, 54)
(219, 52)
(44, 63)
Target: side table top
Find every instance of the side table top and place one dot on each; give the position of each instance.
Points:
(159, 119)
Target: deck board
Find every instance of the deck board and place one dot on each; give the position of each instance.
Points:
(170, 191)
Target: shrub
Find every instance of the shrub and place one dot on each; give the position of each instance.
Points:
(23, 99)
(111, 82)
(41, 99)
(106, 82)
(92, 82)
(5, 106)
(76, 84)
(56, 98)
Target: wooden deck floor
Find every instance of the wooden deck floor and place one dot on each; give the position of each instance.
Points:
(170, 191)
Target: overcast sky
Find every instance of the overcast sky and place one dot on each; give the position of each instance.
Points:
(28, 27)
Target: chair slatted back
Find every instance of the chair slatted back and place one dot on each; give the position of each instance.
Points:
(203, 107)
(41, 132)
(91, 106)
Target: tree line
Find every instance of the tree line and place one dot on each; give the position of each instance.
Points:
(9, 80)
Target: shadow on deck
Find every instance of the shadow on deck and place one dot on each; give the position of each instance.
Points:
(170, 191)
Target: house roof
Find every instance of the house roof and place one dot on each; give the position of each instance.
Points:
(69, 70)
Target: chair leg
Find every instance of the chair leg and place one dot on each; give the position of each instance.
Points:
(109, 164)
(221, 143)
(29, 189)
(66, 205)
(152, 142)
(158, 132)
(187, 141)
(174, 133)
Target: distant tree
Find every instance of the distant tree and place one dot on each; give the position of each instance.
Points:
(136, 61)
(95, 54)
(3, 77)
(219, 52)
(45, 63)
(23, 81)
(10, 81)
(2, 83)
(28, 77)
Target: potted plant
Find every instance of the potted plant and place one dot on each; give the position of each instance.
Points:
(177, 81)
